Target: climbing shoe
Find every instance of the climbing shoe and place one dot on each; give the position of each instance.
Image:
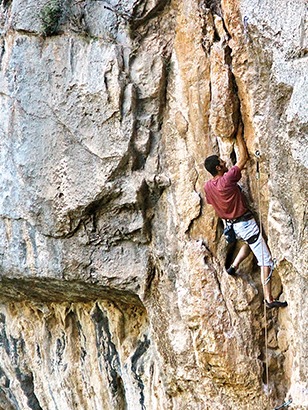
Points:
(275, 304)
(231, 271)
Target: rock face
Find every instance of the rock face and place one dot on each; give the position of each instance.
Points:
(113, 291)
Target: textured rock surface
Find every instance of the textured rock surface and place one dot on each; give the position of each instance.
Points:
(113, 291)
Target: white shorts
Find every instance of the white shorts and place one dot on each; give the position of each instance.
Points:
(245, 230)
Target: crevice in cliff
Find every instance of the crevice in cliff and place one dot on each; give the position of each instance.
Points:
(213, 5)
(150, 277)
(111, 361)
(196, 217)
(2, 51)
(145, 16)
(137, 368)
(27, 386)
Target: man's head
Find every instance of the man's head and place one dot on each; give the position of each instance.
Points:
(214, 165)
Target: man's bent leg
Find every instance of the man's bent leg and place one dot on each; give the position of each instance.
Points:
(243, 253)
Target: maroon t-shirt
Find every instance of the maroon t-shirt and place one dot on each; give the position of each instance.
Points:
(225, 195)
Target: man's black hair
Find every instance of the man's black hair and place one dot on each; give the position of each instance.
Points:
(211, 163)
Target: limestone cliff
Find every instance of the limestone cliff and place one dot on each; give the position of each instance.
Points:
(113, 287)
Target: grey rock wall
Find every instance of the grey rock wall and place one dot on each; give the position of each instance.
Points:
(113, 293)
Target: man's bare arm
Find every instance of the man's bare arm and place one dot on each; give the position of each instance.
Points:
(243, 153)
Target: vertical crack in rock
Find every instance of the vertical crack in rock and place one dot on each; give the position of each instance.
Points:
(138, 368)
(110, 354)
(26, 383)
(224, 101)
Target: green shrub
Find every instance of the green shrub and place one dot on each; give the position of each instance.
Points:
(50, 16)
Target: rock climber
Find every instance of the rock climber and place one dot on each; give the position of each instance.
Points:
(227, 198)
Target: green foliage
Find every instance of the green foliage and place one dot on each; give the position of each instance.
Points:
(50, 16)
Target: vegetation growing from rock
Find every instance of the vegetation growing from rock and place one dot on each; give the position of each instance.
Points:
(50, 16)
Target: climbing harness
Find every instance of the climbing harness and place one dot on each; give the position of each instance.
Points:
(264, 282)
(285, 404)
(229, 233)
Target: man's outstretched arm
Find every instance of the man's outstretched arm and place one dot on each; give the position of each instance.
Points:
(243, 153)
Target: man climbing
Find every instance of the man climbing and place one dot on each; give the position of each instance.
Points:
(226, 197)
